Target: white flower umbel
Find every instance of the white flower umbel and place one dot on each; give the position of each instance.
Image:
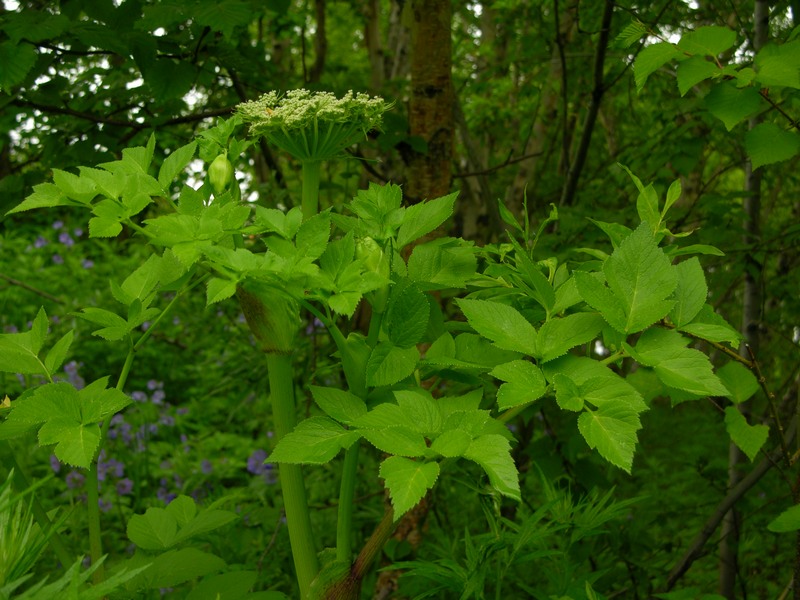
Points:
(312, 127)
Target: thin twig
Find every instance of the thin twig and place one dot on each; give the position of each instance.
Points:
(30, 288)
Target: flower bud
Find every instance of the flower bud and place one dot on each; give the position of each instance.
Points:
(220, 173)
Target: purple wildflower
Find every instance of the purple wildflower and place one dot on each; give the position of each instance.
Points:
(58, 224)
(104, 505)
(124, 487)
(40, 242)
(206, 467)
(87, 263)
(58, 259)
(65, 239)
(167, 420)
(77, 232)
(139, 396)
(158, 397)
(55, 464)
(75, 480)
(155, 385)
(255, 462)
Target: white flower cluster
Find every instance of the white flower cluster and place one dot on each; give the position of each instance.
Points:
(312, 125)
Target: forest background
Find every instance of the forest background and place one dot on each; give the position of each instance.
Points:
(534, 103)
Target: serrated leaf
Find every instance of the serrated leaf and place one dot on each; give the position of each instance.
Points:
(175, 567)
(611, 429)
(339, 404)
(788, 520)
(80, 189)
(524, 383)
(708, 325)
(420, 409)
(732, 105)
(677, 366)
(218, 289)
(710, 40)
(45, 195)
(16, 61)
(175, 163)
(779, 65)
(568, 394)
(75, 444)
(501, 324)
(399, 441)
(597, 295)
(154, 530)
(691, 292)
(641, 278)
(407, 316)
(452, 443)
(739, 380)
(382, 416)
(749, 438)
(314, 441)
(312, 237)
(632, 33)
(560, 334)
(442, 263)
(408, 481)
(141, 283)
(767, 144)
(652, 58)
(389, 364)
(55, 357)
(673, 193)
(693, 71)
(101, 227)
(423, 218)
(492, 453)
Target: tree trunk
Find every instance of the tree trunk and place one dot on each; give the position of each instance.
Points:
(374, 45)
(751, 318)
(320, 43)
(430, 113)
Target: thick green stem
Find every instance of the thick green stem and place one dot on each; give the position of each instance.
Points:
(298, 519)
(311, 170)
(44, 522)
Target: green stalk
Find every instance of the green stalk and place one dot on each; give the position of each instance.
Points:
(311, 171)
(281, 383)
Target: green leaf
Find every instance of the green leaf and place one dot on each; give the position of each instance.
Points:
(101, 227)
(16, 61)
(398, 440)
(501, 324)
(174, 164)
(383, 416)
(693, 71)
(696, 249)
(45, 195)
(55, 357)
(80, 189)
(314, 441)
(710, 40)
(407, 316)
(114, 326)
(560, 334)
(732, 105)
(677, 366)
(633, 32)
(442, 263)
(423, 218)
(691, 292)
(75, 443)
(169, 78)
(739, 380)
(779, 65)
(708, 325)
(788, 520)
(525, 383)
(492, 453)
(647, 207)
(407, 481)
(218, 289)
(767, 143)
(673, 193)
(224, 16)
(749, 438)
(339, 404)
(227, 586)
(611, 429)
(154, 530)
(420, 409)
(452, 443)
(312, 237)
(175, 567)
(19, 352)
(389, 364)
(652, 58)
(568, 394)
